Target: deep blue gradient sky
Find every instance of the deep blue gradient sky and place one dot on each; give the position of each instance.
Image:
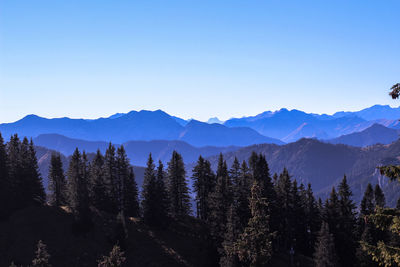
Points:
(195, 58)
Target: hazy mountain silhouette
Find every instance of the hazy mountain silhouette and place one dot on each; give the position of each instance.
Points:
(142, 125)
(291, 125)
(137, 151)
(376, 134)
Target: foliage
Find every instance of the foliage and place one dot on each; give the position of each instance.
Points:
(114, 259)
(42, 256)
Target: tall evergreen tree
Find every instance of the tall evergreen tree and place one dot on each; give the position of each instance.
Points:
(178, 190)
(285, 203)
(42, 257)
(162, 196)
(325, 253)
(242, 191)
(301, 234)
(30, 182)
(5, 185)
(38, 194)
(332, 212)
(379, 197)
(260, 172)
(57, 182)
(203, 184)
(312, 219)
(125, 187)
(229, 258)
(97, 184)
(110, 179)
(130, 203)
(345, 238)
(367, 205)
(77, 188)
(14, 166)
(254, 246)
(220, 200)
(149, 194)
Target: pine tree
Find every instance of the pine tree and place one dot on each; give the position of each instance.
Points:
(116, 258)
(260, 172)
(178, 190)
(285, 203)
(220, 200)
(242, 191)
(5, 193)
(126, 187)
(229, 258)
(97, 185)
(30, 182)
(42, 256)
(299, 219)
(367, 205)
(254, 246)
(57, 182)
(110, 179)
(162, 196)
(312, 218)
(149, 194)
(14, 166)
(203, 184)
(332, 212)
(325, 254)
(131, 195)
(379, 197)
(77, 188)
(345, 237)
(38, 194)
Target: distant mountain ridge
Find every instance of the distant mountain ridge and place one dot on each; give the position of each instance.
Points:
(291, 125)
(376, 134)
(137, 151)
(278, 127)
(139, 126)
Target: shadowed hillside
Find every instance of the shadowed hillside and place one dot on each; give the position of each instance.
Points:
(183, 244)
(323, 165)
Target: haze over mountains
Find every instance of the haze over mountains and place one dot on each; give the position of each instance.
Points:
(278, 127)
(348, 141)
(137, 126)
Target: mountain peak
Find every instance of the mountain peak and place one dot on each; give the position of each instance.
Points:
(214, 120)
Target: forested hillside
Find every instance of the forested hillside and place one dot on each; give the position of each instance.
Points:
(243, 213)
(323, 165)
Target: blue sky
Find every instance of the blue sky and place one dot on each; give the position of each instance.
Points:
(195, 58)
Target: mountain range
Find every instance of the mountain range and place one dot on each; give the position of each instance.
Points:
(137, 151)
(277, 127)
(137, 126)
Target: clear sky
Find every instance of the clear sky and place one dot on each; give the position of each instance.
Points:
(195, 58)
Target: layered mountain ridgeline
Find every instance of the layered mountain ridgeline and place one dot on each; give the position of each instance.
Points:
(291, 125)
(133, 126)
(376, 134)
(137, 151)
(268, 127)
(323, 164)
